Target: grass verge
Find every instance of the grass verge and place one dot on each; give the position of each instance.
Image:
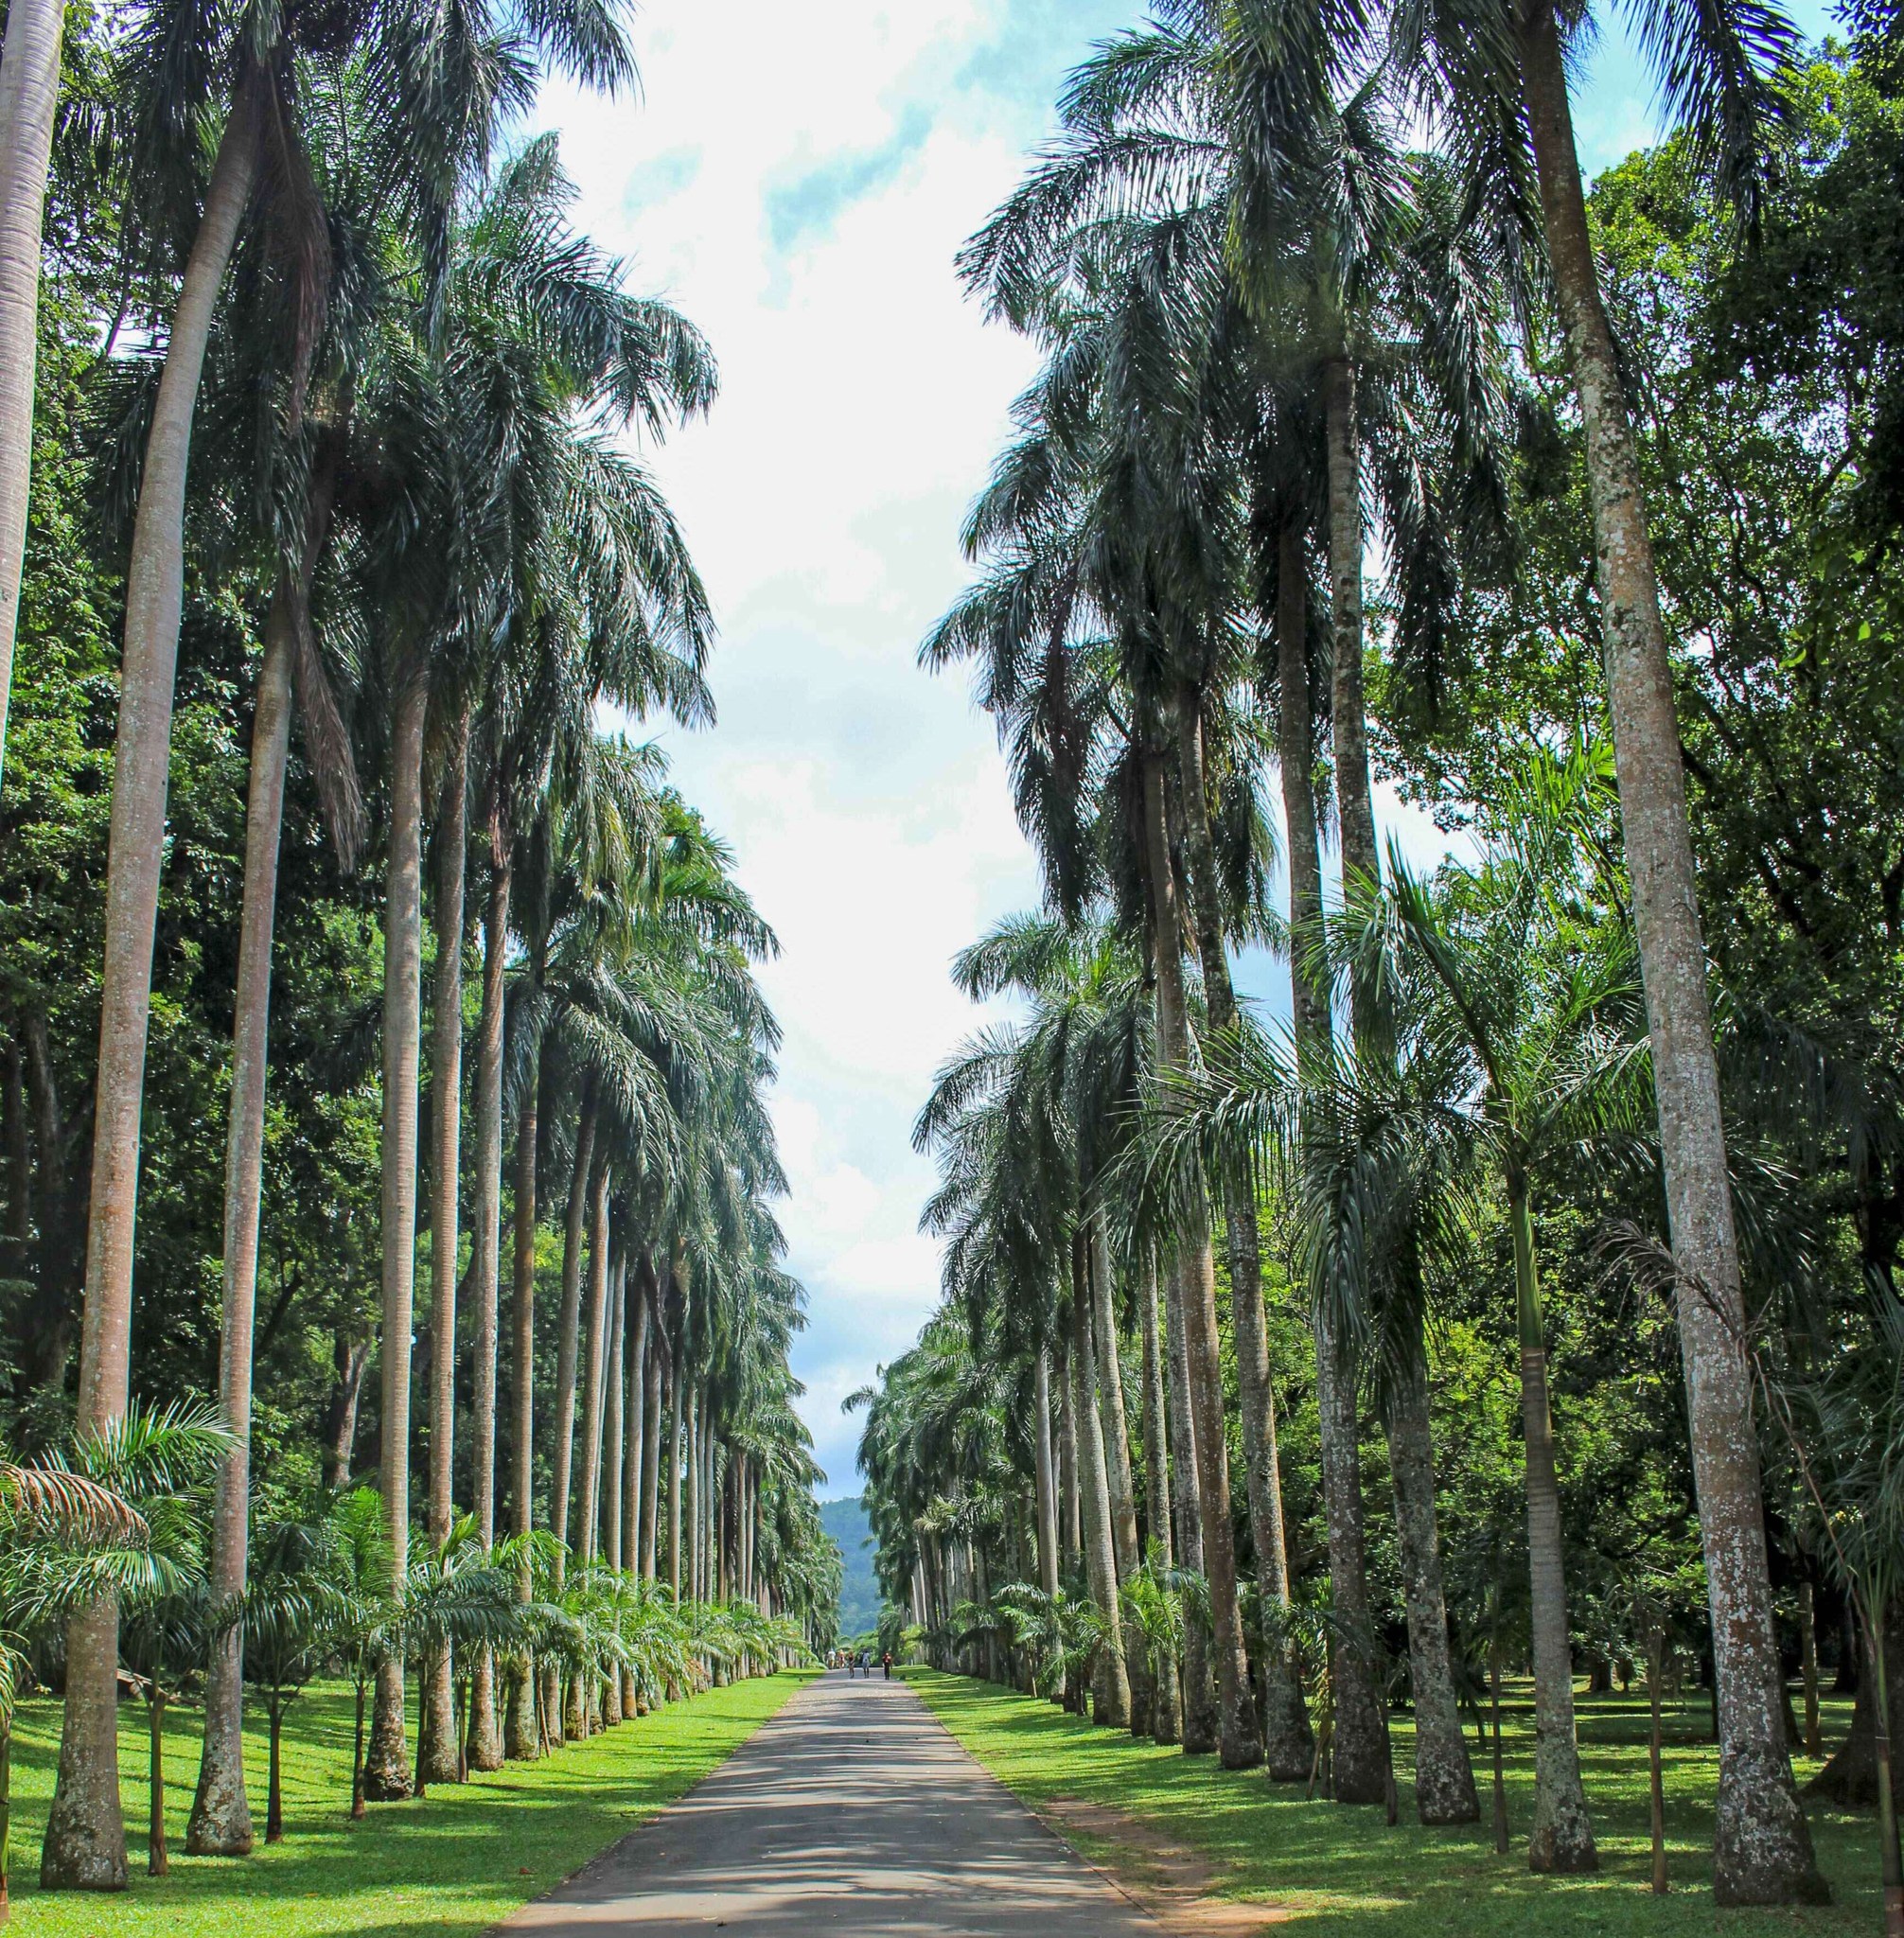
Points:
(1344, 1868)
(458, 1861)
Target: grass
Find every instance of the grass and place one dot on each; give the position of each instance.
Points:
(463, 1858)
(1343, 1869)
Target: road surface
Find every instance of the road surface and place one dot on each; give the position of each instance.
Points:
(851, 1813)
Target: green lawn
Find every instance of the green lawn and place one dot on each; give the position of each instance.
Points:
(1344, 1868)
(458, 1861)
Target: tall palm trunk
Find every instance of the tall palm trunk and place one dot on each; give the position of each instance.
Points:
(1199, 1710)
(588, 1533)
(635, 1421)
(1289, 1743)
(1111, 1686)
(387, 1765)
(1070, 1534)
(1115, 1421)
(651, 1457)
(521, 1735)
(486, 1746)
(438, 1751)
(676, 1382)
(1445, 1778)
(1166, 1703)
(1239, 1740)
(1562, 1836)
(568, 1338)
(1762, 1845)
(220, 1820)
(1116, 1435)
(694, 1493)
(1044, 1478)
(1360, 1756)
(29, 93)
(85, 1841)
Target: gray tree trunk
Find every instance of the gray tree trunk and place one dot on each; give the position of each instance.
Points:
(1116, 1436)
(651, 1456)
(588, 1534)
(84, 1847)
(1288, 1742)
(1070, 1532)
(1239, 1738)
(220, 1820)
(1045, 1479)
(568, 1338)
(674, 1439)
(486, 1747)
(1444, 1779)
(1111, 1688)
(387, 1761)
(30, 93)
(1562, 1836)
(1199, 1714)
(521, 1737)
(637, 1426)
(1762, 1845)
(614, 1447)
(1166, 1698)
(439, 1754)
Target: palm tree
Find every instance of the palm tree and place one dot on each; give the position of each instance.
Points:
(152, 1463)
(291, 1603)
(69, 1534)
(1495, 76)
(1501, 1038)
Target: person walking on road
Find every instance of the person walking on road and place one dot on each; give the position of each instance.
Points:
(888, 1664)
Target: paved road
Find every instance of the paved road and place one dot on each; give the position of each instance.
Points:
(851, 1813)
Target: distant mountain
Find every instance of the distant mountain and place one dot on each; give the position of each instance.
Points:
(845, 1520)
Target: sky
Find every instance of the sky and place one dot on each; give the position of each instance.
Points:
(798, 180)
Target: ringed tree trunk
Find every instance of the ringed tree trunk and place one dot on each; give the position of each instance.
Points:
(522, 1731)
(1070, 1533)
(220, 1825)
(1166, 1700)
(1359, 1751)
(220, 1820)
(1199, 1704)
(569, 1324)
(84, 1848)
(615, 1448)
(30, 93)
(1239, 1740)
(1289, 1742)
(1562, 1837)
(1111, 1688)
(673, 1481)
(651, 1454)
(1046, 1480)
(1445, 1778)
(439, 1748)
(1116, 1436)
(588, 1533)
(484, 1746)
(635, 1420)
(1762, 1845)
(387, 1765)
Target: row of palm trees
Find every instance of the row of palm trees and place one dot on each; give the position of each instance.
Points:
(1268, 324)
(411, 384)
(133, 1512)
